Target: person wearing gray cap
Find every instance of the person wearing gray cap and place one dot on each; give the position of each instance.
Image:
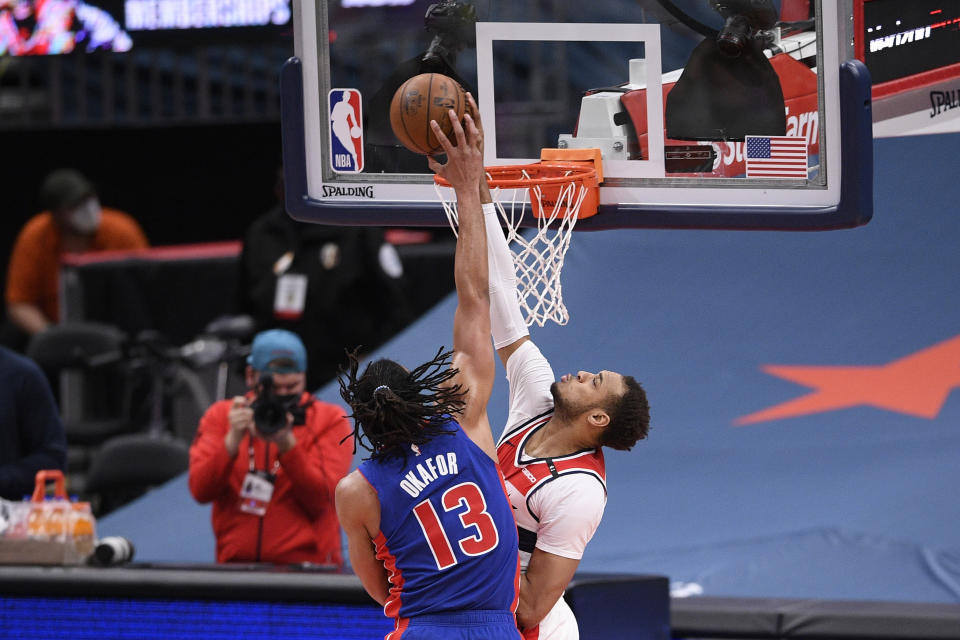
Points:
(73, 222)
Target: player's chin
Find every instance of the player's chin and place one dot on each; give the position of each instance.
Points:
(555, 392)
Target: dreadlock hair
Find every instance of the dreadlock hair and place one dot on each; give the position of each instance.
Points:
(394, 408)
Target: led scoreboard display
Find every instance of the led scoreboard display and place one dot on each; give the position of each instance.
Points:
(905, 38)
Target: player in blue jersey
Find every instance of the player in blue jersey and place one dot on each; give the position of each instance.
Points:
(430, 531)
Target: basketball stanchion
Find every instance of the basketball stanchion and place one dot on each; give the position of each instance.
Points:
(557, 195)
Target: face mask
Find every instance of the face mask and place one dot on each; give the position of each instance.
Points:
(85, 219)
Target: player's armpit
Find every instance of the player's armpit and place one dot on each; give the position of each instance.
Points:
(542, 585)
(358, 510)
(530, 376)
(508, 350)
(476, 377)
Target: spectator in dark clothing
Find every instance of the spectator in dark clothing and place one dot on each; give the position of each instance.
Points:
(31, 433)
(332, 286)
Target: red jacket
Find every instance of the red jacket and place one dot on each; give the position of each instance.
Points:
(300, 524)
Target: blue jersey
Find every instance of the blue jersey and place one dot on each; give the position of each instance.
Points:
(447, 535)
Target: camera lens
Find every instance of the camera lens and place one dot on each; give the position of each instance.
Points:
(112, 550)
(734, 36)
(269, 414)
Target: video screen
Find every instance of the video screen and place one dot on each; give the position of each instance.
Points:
(902, 39)
(83, 618)
(52, 27)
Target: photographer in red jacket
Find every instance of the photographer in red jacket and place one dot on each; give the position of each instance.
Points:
(270, 462)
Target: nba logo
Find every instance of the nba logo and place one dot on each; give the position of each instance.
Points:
(346, 132)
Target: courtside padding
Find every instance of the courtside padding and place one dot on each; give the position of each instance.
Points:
(607, 607)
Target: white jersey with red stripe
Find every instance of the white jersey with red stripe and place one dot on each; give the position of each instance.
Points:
(557, 502)
(566, 492)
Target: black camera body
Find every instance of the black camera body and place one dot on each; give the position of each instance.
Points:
(270, 409)
(745, 20)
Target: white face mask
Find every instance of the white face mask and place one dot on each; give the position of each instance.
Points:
(85, 219)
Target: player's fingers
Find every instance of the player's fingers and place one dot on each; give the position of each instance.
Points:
(474, 110)
(457, 128)
(435, 166)
(473, 134)
(441, 137)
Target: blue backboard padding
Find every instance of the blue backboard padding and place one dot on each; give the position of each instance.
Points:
(848, 504)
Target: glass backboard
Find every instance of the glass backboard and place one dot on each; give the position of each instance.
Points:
(709, 113)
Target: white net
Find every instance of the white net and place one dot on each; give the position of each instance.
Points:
(538, 253)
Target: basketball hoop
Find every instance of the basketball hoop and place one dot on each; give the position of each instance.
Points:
(557, 195)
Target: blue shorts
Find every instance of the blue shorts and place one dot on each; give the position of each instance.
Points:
(457, 625)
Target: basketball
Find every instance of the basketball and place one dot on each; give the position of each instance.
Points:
(419, 100)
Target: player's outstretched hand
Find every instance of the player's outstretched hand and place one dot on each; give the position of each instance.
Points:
(464, 166)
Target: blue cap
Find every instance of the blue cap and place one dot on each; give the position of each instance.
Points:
(278, 344)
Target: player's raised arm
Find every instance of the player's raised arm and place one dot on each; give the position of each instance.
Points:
(530, 375)
(506, 320)
(473, 354)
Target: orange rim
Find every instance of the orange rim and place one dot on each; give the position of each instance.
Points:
(511, 176)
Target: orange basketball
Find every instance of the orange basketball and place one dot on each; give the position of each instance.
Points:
(419, 100)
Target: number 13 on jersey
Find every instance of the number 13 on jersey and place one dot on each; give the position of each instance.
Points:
(476, 521)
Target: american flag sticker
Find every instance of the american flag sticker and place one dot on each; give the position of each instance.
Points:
(776, 157)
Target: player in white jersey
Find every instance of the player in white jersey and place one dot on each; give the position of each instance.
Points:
(550, 452)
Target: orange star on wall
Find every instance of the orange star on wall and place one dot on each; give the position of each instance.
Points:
(916, 385)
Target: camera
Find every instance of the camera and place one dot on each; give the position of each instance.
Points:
(453, 19)
(745, 19)
(452, 24)
(270, 409)
(112, 550)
